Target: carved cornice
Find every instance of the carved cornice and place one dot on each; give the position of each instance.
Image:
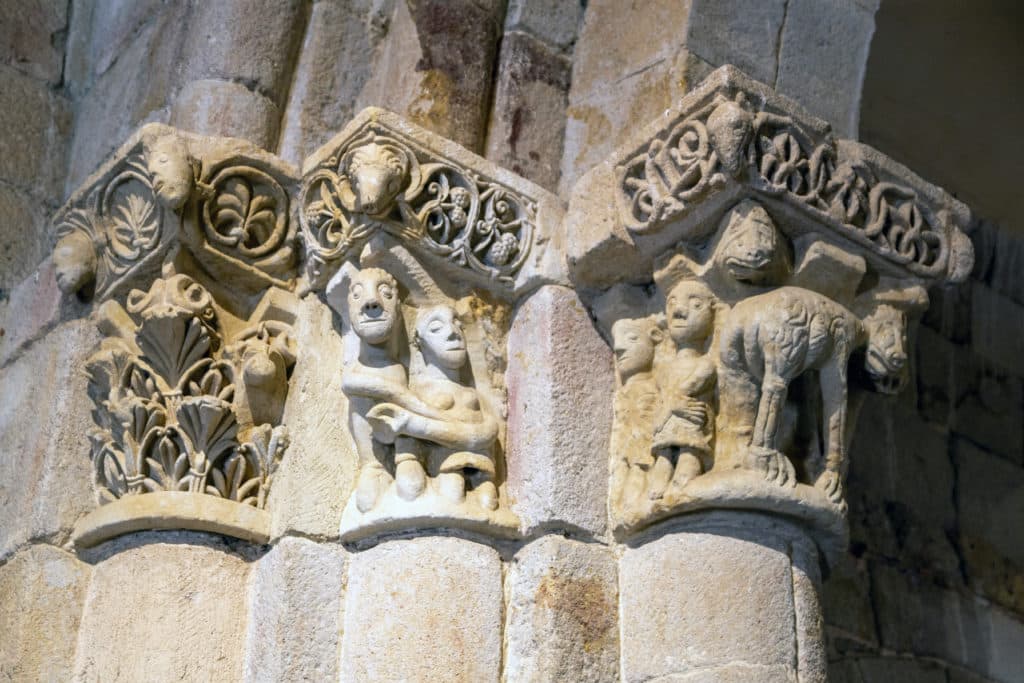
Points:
(224, 201)
(757, 279)
(466, 216)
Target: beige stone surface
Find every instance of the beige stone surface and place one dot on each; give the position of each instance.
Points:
(293, 629)
(423, 609)
(46, 474)
(561, 620)
(31, 40)
(212, 107)
(186, 594)
(43, 589)
(560, 377)
(678, 620)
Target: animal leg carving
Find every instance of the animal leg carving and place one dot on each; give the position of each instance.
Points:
(833, 402)
(764, 440)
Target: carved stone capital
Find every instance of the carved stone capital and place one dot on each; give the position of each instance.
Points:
(756, 279)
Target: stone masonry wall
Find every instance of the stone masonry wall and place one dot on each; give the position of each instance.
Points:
(932, 588)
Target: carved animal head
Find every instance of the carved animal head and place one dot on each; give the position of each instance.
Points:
(168, 162)
(373, 309)
(439, 337)
(752, 249)
(74, 260)
(885, 358)
(634, 341)
(175, 296)
(377, 174)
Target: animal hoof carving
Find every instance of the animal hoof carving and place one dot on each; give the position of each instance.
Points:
(830, 483)
(775, 466)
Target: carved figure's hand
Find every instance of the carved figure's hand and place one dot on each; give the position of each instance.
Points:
(388, 421)
(693, 410)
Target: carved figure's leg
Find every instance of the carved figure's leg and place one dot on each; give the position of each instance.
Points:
(373, 479)
(687, 467)
(410, 477)
(452, 486)
(659, 475)
(764, 442)
(635, 486)
(487, 494)
(833, 403)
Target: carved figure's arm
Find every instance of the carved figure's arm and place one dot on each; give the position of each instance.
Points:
(474, 436)
(380, 389)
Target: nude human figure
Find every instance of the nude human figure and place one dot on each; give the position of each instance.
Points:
(636, 401)
(462, 437)
(682, 438)
(377, 376)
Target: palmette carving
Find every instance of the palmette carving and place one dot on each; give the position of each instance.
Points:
(176, 409)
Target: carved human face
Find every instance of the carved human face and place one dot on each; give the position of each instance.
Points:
(74, 260)
(689, 312)
(634, 342)
(167, 161)
(439, 334)
(373, 305)
(886, 356)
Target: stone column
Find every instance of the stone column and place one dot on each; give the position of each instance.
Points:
(755, 278)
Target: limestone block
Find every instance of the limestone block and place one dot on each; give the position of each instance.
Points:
(33, 308)
(988, 400)
(436, 66)
(527, 127)
(990, 313)
(223, 108)
(252, 42)
(136, 89)
(730, 598)
(294, 625)
(883, 669)
(46, 474)
(562, 615)
(185, 594)
(560, 377)
(34, 158)
(24, 240)
(556, 23)
(743, 33)
(423, 609)
(822, 57)
(337, 58)
(846, 600)
(316, 477)
(43, 589)
(989, 498)
(113, 25)
(30, 37)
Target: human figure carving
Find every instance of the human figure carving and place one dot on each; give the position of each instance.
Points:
(463, 436)
(683, 430)
(635, 342)
(771, 339)
(377, 376)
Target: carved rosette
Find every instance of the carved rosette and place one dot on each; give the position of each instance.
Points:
(181, 406)
(384, 176)
(757, 280)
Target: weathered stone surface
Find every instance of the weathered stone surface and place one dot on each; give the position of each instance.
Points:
(683, 572)
(527, 126)
(24, 238)
(337, 58)
(436, 67)
(822, 57)
(251, 42)
(32, 37)
(988, 405)
(423, 609)
(886, 669)
(293, 630)
(187, 598)
(997, 328)
(45, 472)
(34, 158)
(744, 33)
(34, 306)
(559, 379)
(846, 599)
(316, 478)
(211, 107)
(43, 589)
(556, 23)
(114, 24)
(562, 617)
